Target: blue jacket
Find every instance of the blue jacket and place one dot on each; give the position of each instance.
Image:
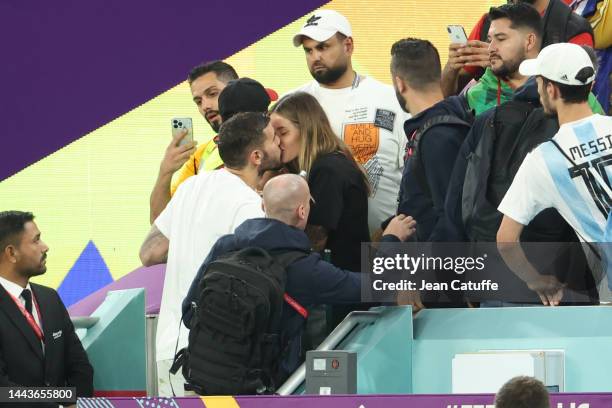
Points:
(310, 280)
(439, 148)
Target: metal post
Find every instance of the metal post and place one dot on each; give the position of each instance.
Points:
(151, 328)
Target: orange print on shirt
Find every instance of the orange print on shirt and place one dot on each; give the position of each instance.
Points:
(362, 139)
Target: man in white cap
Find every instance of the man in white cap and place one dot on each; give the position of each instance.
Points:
(570, 172)
(363, 111)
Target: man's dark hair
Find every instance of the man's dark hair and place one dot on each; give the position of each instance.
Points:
(416, 62)
(571, 93)
(224, 71)
(521, 15)
(239, 136)
(11, 226)
(522, 392)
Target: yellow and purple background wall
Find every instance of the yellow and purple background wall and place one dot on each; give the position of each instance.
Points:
(89, 88)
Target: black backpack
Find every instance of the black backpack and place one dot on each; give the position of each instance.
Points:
(514, 129)
(235, 338)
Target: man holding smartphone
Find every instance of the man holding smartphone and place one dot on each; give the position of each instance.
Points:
(203, 209)
(469, 60)
(206, 81)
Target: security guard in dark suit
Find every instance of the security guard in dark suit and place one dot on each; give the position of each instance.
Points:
(38, 343)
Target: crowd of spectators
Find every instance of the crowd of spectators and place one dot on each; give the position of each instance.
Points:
(507, 139)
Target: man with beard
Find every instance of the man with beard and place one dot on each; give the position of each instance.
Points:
(515, 34)
(203, 209)
(435, 133)
(207, 82)
(362, 111)
(569, 172)
(38, 344)
(467, 61)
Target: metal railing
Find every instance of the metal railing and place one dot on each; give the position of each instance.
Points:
(336, 336)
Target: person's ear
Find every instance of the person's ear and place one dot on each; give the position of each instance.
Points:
(301, 212)
(349, 46)
(11, 253)
(553, 91)
(532, 42)
(255, 157)
(400, 85)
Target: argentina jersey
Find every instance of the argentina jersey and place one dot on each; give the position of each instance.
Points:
(571, 180)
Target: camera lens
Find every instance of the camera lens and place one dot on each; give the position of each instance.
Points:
(175, 121)
(175, 126)
(180, 124)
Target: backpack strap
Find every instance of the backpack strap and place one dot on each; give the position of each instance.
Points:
(286, 258)
(418, 168)
(595, 174)
(598, 178)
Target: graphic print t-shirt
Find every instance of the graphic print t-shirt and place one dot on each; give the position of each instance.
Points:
(547, 179)
(370, 120)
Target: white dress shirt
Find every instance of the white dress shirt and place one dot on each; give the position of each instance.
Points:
(15, 290)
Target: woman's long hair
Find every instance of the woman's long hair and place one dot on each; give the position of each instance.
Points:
(316, 134)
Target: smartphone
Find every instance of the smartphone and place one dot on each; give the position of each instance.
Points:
(178, 124)
(456, 34)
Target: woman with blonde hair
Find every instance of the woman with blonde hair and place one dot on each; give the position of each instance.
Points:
(338, 219)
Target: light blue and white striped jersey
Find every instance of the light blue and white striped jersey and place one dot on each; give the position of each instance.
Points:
(548, 179)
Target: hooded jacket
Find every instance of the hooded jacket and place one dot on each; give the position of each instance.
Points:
(439, 147)
(310, 280)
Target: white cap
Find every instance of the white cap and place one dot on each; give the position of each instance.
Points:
(322, 25)
(560, 63)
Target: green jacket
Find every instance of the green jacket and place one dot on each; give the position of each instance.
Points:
(483, 96)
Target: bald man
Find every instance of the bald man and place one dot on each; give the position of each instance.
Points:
(310, 280)
(287, 198)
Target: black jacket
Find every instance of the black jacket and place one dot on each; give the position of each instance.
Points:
(310, 280)
(22, 362)
(439, 148)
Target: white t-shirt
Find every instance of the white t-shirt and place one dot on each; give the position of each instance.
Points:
(204, 208)
(371, 122)
(547, 179)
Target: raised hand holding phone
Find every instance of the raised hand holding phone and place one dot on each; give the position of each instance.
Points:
(179, 126)
(181, 147)
(456, 34)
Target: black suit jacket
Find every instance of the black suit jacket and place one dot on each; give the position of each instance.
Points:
(22, 362)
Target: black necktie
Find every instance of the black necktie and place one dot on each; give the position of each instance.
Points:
(27, 296)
